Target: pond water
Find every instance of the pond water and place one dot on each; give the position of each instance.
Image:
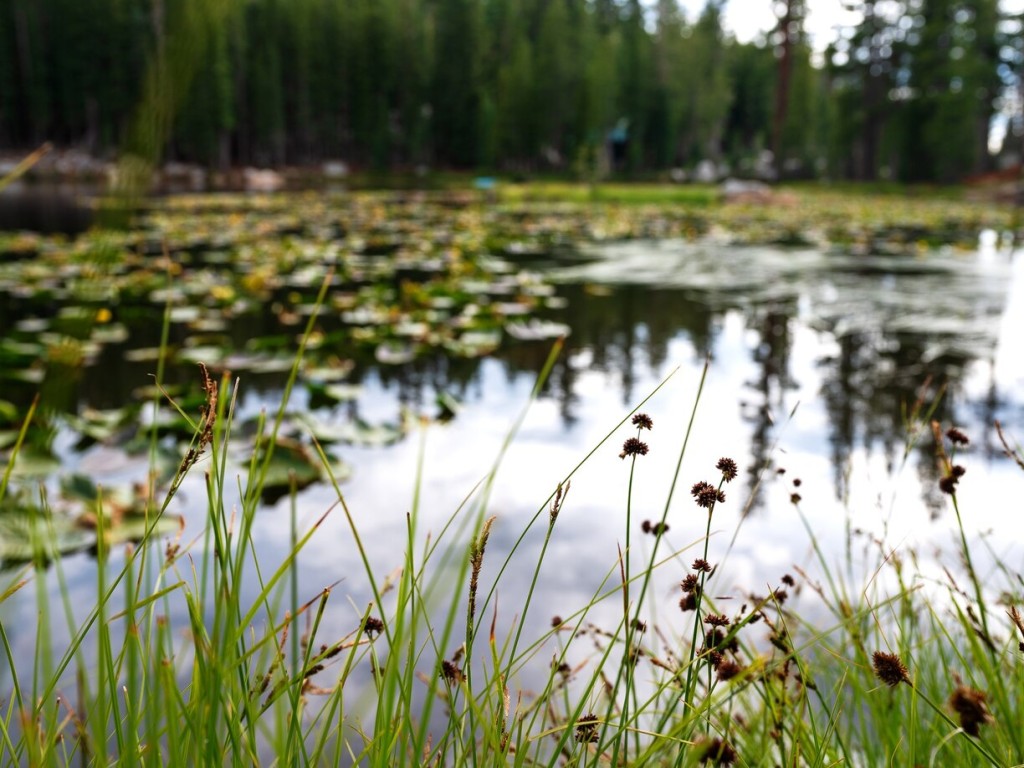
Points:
(817, 356)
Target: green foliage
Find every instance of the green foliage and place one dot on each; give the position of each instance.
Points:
(522, 86)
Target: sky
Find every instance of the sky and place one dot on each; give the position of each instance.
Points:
(746, 19)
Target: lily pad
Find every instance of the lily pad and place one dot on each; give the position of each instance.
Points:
(395, 354)
(295, 465)
(474, 343)
(33, 462)
(352, 431)
(27, 532)
(534, 330)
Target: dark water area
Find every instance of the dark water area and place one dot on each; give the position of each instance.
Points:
(46, 210)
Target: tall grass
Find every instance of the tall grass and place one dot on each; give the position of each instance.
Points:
(199, 650)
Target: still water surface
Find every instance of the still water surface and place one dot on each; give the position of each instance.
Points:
(816, 358)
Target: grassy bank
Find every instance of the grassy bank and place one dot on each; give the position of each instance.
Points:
(198, 651)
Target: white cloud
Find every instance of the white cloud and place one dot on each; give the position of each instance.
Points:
(747, 19)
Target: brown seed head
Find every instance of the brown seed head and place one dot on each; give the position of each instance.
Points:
(706, 495)
(889, 668)
(970, 705)
(718, 752)
(586, 729)
(642, 421)
(633, 447)
(451, 673)
(957, 437)
(728, 469)
(728, 669)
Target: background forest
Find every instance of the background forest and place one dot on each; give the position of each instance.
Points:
(578, 87)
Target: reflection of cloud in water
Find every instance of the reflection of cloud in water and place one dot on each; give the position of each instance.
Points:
(845, 441)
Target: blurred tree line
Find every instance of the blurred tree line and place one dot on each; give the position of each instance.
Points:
(570, 86)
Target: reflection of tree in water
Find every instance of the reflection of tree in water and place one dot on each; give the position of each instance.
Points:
(621, 328)
(772, 358)
(869, 384)
(871, 388)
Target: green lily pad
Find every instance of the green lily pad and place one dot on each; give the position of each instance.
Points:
(134, 527)
(33, 325)
(474, 343)
(33, 462)
(395, 354)
(325, 374)
(101, 426)
(297, 465)
(352, 432)
(115, 501)
(27, 532)
(208, 354)
(143, 354)
(535, 330)
(115, 333)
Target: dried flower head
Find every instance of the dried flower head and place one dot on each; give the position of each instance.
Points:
(633, 447)
(795, 498)
(700, 564)
(889, 668)
(728, 469)
(689, 582)
(717, 639)
(451, 673)
(947, 484)
(699, 487)
(1018, 622)
(728, 669)
(373, 626)
(957, 437)
(643, 421)
(970, 705)
(706, 494)
(718, 752)
(586, 729)
(556, 503)
(717, 620)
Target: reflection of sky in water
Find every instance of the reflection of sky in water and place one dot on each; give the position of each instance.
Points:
(799, 336)
(876, 494)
